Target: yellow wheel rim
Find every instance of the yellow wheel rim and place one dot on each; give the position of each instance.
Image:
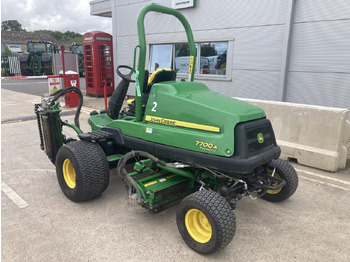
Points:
(68, 173)
(274, 192)
(198, 225)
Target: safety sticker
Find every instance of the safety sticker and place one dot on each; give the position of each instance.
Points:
(190, 68)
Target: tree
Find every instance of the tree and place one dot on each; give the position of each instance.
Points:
(12, 25)
(182, 50)
(7, 51)
(208, 50)
(67, 36)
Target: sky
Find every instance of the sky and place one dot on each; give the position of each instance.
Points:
(60, 15)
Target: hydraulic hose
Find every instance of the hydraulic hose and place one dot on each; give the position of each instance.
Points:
(133, 154)
(74, 89)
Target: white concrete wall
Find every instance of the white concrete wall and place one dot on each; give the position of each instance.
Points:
(254, 30)
(315, 136)
(319, 66)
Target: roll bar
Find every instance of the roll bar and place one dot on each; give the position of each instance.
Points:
(140, 72)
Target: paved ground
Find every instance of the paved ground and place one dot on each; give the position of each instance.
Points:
(39, 223)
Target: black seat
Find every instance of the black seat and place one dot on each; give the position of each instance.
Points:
(160, 75)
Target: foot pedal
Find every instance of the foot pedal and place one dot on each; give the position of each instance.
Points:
(95, 135)
(105, 133)
(93, 113)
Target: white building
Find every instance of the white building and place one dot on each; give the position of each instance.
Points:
(283, 50)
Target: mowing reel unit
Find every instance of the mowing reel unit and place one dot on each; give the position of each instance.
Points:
(50, 123)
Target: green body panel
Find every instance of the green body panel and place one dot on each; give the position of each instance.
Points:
(128, 127)
(114, 158)
(35, 64)
(98, 121)
(191, 103)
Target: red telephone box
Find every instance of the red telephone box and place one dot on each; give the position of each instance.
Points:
(98, 59)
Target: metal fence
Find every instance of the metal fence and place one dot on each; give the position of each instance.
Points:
(10, 65)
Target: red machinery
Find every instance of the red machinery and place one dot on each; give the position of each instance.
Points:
(71, 79)
(98, 58)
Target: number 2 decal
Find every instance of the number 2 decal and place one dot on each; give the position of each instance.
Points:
(154, 107)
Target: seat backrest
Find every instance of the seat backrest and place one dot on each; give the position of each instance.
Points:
(160, 75)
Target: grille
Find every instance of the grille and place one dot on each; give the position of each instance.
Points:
(253, 137)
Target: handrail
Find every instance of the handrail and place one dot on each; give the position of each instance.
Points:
(142, 44)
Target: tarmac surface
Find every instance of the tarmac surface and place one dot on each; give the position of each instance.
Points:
(38, 223)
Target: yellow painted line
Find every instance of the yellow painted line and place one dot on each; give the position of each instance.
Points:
(10, 103)
(172, 122)
(11, 121)
(336, 180)
(86, 111)
(26, 170)
(324, 183)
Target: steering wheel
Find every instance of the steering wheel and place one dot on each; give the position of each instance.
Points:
(126, 77)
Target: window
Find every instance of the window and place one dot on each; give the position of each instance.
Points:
(161, 57)
(177, 56)
(213, 58)
(182, 58)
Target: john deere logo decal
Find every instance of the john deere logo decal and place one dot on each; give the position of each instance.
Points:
(260, 138)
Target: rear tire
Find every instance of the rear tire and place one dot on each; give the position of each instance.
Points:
(206, 221)
(285, 171)
(25, 70)
(47, 68)
(82, 170)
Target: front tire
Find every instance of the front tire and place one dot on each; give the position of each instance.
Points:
(82, 170)
(47, 68)
(285, 171)
(206, 221)
(25, 70)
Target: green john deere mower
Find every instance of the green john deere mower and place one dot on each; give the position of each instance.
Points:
(177, 142)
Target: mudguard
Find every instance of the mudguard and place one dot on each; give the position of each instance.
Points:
(46, 57)
(24, 58)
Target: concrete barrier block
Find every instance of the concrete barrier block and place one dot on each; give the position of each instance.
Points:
(315, 136)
